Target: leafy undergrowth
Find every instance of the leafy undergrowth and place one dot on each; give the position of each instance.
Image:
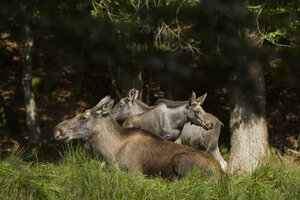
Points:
(80, 175)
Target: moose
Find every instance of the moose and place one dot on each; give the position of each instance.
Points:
(196, 135)
(191, 134)
(167, 121)
(131, 148)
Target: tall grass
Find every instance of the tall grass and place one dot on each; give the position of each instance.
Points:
(80, 175)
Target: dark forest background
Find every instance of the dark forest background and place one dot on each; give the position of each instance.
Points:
(84, 50)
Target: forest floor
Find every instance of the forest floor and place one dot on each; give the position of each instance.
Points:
(63, 91)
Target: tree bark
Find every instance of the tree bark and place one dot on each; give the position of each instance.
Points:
(249, 134)
(31, 113)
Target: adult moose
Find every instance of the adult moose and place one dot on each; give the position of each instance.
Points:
(191, 134)
(167, 121)
(131, 148)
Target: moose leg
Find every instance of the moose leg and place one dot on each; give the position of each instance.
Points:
(182, 164)
(216, 153)
(137, 171)
(212, 147)
(170, 134)
(178, 141)
(185, 162)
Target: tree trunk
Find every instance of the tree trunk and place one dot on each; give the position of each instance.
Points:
(31, 114)
(249, 134)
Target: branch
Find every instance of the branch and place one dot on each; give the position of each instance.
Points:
(260, 32)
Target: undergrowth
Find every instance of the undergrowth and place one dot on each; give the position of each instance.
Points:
(80, 175)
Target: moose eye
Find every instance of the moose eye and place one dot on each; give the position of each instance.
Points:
(83, 118)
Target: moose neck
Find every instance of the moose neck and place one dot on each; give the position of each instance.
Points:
(107, 138)
(178, 116)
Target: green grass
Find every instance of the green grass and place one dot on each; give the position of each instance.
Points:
(81, 176)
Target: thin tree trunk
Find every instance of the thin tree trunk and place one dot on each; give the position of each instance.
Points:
(249, 134)
(31, 114)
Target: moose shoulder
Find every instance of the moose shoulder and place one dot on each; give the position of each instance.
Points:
(131, 148)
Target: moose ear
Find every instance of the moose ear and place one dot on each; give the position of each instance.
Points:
(108, 106)
(136, 95)
(131, 94)
(191, 100)
(201, 99)
(102, 101)
(105, 108)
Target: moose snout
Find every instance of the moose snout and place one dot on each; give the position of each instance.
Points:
(57, 133)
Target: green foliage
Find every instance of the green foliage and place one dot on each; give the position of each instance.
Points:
(280, 19)
(36, 82)
(82, 176)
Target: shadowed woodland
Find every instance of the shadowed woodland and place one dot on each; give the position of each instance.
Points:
(85, 50)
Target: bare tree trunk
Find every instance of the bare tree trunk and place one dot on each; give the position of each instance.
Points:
(249, 133)
(249, 139)
(31, 114)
